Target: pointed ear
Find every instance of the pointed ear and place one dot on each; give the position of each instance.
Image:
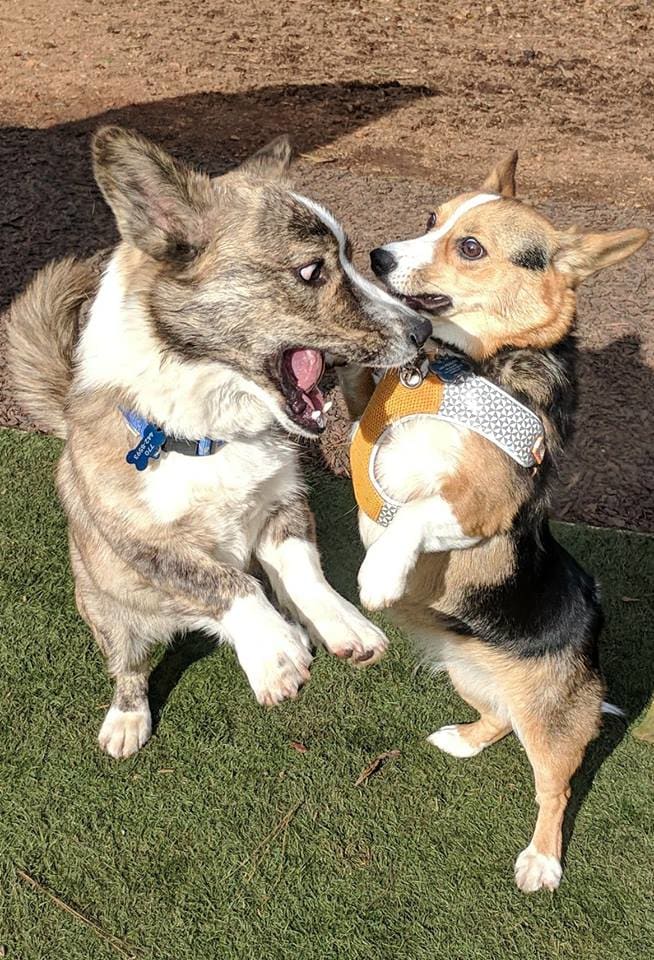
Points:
(501, 179)
(273, 160)
(582, 254)
(160, 205)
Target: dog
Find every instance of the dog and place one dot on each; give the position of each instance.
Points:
(452, 464)
(180, 370)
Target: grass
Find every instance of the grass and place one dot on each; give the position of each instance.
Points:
(222, 839)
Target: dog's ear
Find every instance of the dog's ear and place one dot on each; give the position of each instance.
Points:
(501, 179)
(160, 205)
(273, 160)
(581, 254)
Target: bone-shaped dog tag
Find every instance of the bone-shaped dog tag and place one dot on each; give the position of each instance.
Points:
(148, 448)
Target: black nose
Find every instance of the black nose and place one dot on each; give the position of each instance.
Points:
(420, 331)
(382, 262)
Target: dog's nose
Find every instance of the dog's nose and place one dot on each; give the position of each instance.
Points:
(420, 331)
(382, 262)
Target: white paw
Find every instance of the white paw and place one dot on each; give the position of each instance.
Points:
(450, 741)
(537, 871)
(382, 581)
(123, 732)
(345, 632)
(277, 666)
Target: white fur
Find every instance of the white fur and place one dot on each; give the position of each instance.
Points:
(414, 254)
(537, 871)
(294, 570)
(273, 653)
(233, 492)
(449, 740)
(245, 478)
(124, 732)
(201, 399)
(414, 459)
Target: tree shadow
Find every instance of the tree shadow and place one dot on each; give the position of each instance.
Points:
(51, 206)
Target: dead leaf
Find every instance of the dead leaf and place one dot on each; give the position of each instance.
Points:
(296, 745)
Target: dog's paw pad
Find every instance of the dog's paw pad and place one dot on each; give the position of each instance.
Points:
(124, 731)
(449, 740)
(537, 871)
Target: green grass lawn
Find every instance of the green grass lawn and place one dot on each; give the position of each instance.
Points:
(223, 840)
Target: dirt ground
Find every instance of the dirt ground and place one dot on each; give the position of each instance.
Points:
(392, 105)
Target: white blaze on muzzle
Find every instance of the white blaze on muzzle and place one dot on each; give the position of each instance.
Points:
(417, 253)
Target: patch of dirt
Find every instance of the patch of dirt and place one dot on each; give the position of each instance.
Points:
(394, 105)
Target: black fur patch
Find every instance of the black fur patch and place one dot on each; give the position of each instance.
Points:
(531, 258)
(548, 603)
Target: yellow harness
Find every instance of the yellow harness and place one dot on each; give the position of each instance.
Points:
(391, 401)
(447, 390)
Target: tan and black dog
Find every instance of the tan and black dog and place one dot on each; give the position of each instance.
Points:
(179, 373)
(452, 464)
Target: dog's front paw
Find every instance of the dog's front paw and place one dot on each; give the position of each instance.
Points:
(125, 731)
(537, 871)
(382, 580)
(278, 666)
(346, 633)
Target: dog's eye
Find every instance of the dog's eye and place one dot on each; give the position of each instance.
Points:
(471, 249)
(311, 272)
(432, 220)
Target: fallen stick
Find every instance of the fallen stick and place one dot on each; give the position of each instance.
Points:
(123, 948)
(374, 766)
(282, 825)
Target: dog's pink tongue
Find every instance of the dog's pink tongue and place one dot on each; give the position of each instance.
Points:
(307, 366)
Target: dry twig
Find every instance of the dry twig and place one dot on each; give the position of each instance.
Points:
(121, 947)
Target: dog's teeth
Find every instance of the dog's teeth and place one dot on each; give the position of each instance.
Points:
(328, 406)
(318, 417)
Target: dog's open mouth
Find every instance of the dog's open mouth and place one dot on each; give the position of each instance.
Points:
(425, 302)
(300, 371)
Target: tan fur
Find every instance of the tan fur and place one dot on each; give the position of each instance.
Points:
(488, 510)
(510, 311)
(44, 337)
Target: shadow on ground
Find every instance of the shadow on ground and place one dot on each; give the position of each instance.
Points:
(52, 207)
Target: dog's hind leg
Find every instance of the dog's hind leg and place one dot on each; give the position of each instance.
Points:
(287, 551)
(555, 735)
(469, 739)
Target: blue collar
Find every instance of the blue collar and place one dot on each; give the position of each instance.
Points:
(154, 440)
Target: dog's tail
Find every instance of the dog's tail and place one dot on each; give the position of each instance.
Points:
(44, 324)
(612, 710)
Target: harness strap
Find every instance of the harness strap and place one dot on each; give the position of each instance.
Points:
(449, 391)
(391, 401)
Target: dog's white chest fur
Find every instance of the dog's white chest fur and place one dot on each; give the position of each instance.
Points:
(415, 457)
(233, 490)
